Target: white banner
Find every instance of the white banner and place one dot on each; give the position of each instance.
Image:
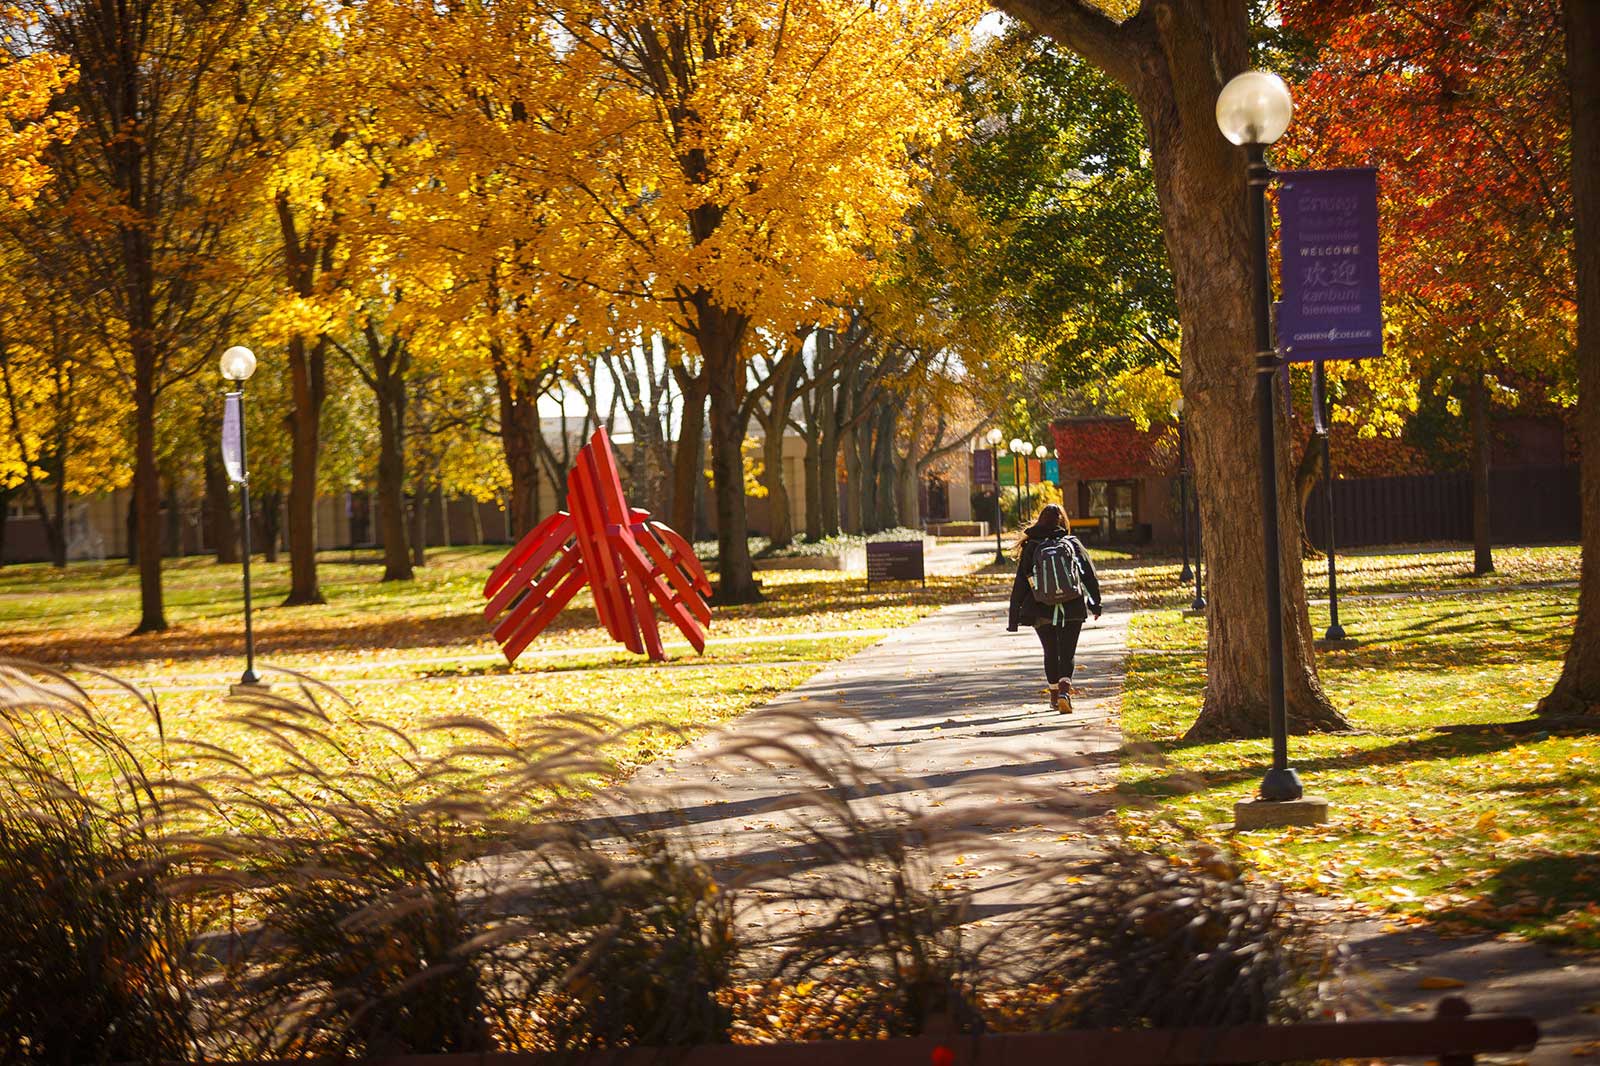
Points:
(232, 437)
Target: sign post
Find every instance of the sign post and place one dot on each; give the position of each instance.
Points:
(895, 560)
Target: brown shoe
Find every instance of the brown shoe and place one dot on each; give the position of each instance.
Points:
(1055, 698)
(1063, 702)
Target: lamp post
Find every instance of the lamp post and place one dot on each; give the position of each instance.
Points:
(1253, 110)
(238, 363)
(1319, 392)
(1186, 575)
(994, 436)
(1021, 451)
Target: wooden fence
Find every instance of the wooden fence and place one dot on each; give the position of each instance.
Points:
(1527, 506)
(1452, 1037)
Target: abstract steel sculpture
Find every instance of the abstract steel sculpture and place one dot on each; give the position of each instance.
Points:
(615, 550)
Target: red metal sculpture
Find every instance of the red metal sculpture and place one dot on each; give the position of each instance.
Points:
(615, 550)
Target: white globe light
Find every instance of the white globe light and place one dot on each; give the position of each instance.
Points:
(238, 363)
(1017, 445)
(1254, 108)
(1041, 452)
(994, 435)
(1177, 407)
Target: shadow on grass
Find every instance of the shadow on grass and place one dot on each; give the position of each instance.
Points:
(1443, 744)
(1551, 897)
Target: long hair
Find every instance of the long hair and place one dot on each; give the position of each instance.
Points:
(1051, 517)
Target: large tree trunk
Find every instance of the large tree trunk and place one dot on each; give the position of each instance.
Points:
(1173, 57)
(1482, 548)
(721, 336)
(224, 531)
(392, 477)
(147, 509)
(307, 386)
(1577, 690)
(519, 433)
(781, 521)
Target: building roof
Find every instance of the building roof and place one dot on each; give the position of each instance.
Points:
(1103, 448)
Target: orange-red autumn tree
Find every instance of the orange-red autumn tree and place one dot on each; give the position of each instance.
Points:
(1461, 105)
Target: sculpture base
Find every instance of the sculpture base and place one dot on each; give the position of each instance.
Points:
(1267, 814)
(249, 688)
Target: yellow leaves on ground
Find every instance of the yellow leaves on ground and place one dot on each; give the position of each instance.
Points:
(1451, 806)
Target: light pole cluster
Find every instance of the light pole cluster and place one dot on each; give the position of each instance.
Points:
(994, 437)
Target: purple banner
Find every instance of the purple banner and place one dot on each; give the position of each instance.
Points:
(983, 467)
(1328, 243)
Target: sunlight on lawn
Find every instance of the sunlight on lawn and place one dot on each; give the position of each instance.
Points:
(1449, 805)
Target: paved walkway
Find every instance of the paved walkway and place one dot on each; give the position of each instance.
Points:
(947, 716)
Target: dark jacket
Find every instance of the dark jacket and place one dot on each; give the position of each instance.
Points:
(1027, 611)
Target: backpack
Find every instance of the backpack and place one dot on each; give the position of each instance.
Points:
(1057, 572)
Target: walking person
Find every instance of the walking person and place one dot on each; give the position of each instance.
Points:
(1055, 592)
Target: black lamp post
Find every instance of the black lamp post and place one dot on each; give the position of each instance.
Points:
(1199, 601)
(238, 363)
(994, 437)
(1253, 110)
(1324, 402)
(1185, 575)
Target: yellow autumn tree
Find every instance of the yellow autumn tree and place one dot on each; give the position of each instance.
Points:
(29, 83)
(710, 168)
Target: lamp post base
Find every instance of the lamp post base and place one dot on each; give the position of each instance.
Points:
(1185, 576)
(249, 686)
(1268, 814)
(1195, 612)
(1336, 644)
(1335, 632)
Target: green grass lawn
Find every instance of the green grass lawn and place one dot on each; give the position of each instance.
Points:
(1448, 805)
(405, 653)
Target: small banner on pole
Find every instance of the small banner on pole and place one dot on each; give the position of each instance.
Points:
(1052, 471)
(1005, 470)
(1328, 247)
(983, 467)
(232, 437)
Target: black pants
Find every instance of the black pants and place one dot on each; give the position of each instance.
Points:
(1060, 646)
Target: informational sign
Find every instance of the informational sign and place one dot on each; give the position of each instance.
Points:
(983, 467)
(1328, 244)
(895, 560)
(232, 437)
(1052, 471)
(1005, 470)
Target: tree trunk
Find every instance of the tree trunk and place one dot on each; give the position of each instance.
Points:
(444, 516)
(1577, 690)
(1173, 57)
(850, 518)
(1305, 483)
(147, 507)
(307, 386)
(419, 523)
(392, 477)
(885, 482)
(721, 336)
(687, 456)
(828, 465)
(781, 521)
(271, 525)
(1482, 548)
(224, 531)
(519, 431)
